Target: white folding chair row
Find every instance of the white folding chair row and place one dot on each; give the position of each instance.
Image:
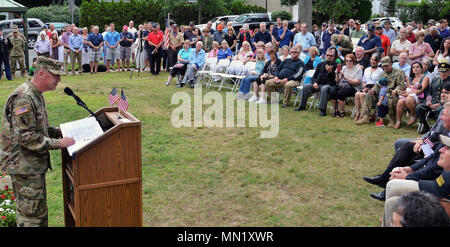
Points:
(219, 79)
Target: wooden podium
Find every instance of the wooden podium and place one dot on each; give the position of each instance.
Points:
(102, 182)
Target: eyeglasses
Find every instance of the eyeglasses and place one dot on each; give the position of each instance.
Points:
(349, 61)
(294, 52)
(329, 55)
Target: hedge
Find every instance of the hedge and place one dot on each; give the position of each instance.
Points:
(54, 13)
(93, 12)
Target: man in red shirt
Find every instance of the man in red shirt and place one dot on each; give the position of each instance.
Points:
(155, 41)
(410, 34)
(385, 42)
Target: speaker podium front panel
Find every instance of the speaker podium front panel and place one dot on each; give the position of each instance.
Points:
(102, 182)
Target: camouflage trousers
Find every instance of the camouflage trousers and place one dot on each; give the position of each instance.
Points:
(370, 103)
(13, 64)
(31, 200)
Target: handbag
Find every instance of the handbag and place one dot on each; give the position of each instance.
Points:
(343, 83)
(178, 65)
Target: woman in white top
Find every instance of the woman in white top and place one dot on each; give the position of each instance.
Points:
(370, 78)
(443, 52)
(237, 66)
(348, 82)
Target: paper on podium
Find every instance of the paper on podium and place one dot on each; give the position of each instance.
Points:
(83, 131)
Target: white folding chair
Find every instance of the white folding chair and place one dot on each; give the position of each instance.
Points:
(308, 73)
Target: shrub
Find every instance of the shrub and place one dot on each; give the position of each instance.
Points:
(54, 13)
(282, 14)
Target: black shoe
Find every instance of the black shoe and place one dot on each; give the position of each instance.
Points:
(322, 113)
(379, 196)
(180, 85)
(300, 108)
(191, 84)
(284, 105)
(377, 180)
(425, 128)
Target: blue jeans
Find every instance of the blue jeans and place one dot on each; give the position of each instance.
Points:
(246, 83)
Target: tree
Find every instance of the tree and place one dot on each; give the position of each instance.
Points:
(391, 7)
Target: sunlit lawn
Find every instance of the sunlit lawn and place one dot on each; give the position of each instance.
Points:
(309, 175)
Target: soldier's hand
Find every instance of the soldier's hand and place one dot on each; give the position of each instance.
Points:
(66, 142)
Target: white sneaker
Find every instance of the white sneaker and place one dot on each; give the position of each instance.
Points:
(254, 98)
(239, 95)
(246, 96)
(261, 101)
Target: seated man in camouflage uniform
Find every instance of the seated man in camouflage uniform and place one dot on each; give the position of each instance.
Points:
(26, 140)
(396, 85)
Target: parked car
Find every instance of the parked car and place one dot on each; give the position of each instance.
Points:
(395, 22)
(217, 20)
(254, 19)
(6, 16)
(34, 28)
(58, 26)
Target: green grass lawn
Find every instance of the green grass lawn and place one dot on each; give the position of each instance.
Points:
(310, 175)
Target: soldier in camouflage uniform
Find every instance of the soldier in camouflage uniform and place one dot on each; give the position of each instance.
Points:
(343, 43)
(396, 85)
(16, 54)
(26, 141)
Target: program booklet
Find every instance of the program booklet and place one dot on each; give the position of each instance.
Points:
(83, 131)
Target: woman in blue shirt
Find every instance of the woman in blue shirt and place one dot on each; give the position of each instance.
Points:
(312, 61)
(244, 89)
(224, 56)
(183, 60)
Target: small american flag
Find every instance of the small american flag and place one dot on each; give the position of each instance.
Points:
(123, 102)
(113, 97)
(427, 141)
(167, 34)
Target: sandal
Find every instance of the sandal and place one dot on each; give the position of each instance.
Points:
(412, 120)
(397, 125)
(357, 117)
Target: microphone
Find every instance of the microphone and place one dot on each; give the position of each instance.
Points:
(69, 92)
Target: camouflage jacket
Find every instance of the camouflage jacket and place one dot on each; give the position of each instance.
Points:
(19, 47)
(26, 135)
(396, 81)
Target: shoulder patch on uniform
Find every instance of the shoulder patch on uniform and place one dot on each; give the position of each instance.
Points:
(21, 110)
(440, 181)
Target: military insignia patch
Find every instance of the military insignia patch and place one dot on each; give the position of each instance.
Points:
(25, 119)
(440, 181)
(21, 110)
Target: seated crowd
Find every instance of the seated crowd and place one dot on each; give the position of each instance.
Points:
(384, 72)
(328, 65)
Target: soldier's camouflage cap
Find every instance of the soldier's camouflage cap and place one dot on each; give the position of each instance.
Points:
(52, 65)
(385, 61)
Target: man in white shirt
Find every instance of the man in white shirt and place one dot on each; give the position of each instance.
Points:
(402, 64)
(133, 30)
(400, 45)
(305, 39)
